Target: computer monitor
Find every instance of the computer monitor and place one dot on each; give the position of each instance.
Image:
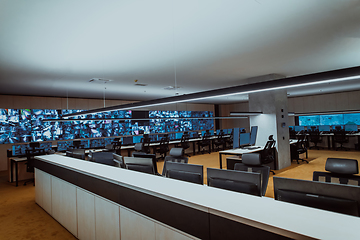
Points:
(127, 140)
(338, 198)
(218, 131)
(292, 127)
(299, 128)
(211, 132)
(137, 139)
(178, 135)
(203, 133)
(244, 139)
(34, 145)
(351, 128)
(253, 134)
(236, 138)
(324, 128)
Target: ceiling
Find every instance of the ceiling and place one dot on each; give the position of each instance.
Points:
(53, 48)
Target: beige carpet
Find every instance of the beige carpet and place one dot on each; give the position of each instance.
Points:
(22, 218)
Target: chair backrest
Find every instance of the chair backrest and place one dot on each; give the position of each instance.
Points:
(340, 136)
(144, 165)
(118, 160)
(185, 140)
(185, 172)
(139, 147)
(251, 162)
(176, 155)
(103, 158)
(238, 181)
(109, 147)
(339, 171)
(30, 153)
(149, 156)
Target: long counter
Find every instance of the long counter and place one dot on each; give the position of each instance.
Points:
(94, 201)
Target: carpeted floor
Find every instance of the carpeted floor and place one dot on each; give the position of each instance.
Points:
(22, 218)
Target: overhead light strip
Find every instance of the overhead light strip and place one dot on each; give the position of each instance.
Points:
(284, 83)
(327, 113)
(245, 113)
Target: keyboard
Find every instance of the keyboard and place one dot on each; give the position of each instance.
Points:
(251, 147)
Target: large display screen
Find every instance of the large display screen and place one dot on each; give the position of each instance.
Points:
(28, 125)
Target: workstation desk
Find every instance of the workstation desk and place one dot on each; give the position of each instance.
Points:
(238, 152)
(95, 201)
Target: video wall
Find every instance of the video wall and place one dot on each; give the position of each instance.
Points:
(330, 119)
(28, 125)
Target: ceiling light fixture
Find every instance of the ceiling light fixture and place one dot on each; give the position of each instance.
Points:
(284, 83)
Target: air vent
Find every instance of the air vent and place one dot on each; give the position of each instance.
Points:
(140, 84)
(99, 80)
(171, 87)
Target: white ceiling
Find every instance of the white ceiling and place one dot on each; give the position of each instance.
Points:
(53, 48)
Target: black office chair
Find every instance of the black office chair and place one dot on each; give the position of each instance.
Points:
(298, 148)
(184, 142)
(118, 160)
(176, 155)
(102, 157)
(251, 162)
(204, 142)
(341, 138)
(315, 137)
(77, 144)
(292, 133)
(185, 172)
(30, 154)
(163, 148)
(146, 143)
(268, 153)
(238, 181)
(144, 165)
(230, 140)
(339, 170)
(76, 153)
(220, 141)
(139, 148)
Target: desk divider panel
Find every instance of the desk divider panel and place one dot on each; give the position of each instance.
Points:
(200, 224)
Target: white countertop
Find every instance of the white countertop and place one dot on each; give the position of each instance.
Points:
(263, 212)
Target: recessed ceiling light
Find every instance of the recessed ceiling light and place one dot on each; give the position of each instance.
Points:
(171, 87)
(99, 80)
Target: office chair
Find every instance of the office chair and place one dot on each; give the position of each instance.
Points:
(268, 154)
(238, 181)
(146, 143)
(292, 133)
(176, 155)
(185, 172)
(76, 153)
(116, 146)
(139, 148)
(77, 144)
(204, 142)
(230, 140)
(315, 138)
(119, 160)
(340, 170)
(251, 162)
(144, 165)
(341, 138)
(163, 147)
(102, 157)
(30, 154)
(220, 141)
(298, 148)
(184, 142)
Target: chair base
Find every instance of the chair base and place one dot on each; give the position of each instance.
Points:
(300, 159)
(272, 172)
(31, 180)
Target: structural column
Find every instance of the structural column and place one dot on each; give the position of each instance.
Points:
(273, 121)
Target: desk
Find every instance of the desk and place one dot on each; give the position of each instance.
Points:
(15, 160)
(139, 203)
(238, 152)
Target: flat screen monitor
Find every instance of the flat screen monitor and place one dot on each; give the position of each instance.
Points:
(128, 140)
(244, 139)
(338, 198)
(203, 133)
(137, 139)
(47, 146)
(324, 128)
(19, 150)
(153, 138)
(211, 132)
(292, 127)
(351, 128)
(178, 135)
(253, 134)
(299, 128)
(236, 138)
(64, 145)
(96, 143)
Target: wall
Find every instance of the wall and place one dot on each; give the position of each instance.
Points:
(225, 110)
(18, 102)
